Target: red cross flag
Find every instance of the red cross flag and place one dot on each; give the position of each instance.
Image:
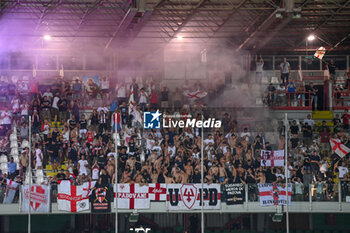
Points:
(157, 192)
(339, 148)
(274, 194)
(272, 158)
(132, 196)
(39, 198)
(70, 197)
(11, 188)
(195, 95)
(88, 188)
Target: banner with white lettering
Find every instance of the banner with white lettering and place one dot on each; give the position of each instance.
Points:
(70, 197)
(188, 196)
(39, 198)
(234, 194)
(157, 192)
(132, 196)
(101, 198)
(273, 158)
(274, 194)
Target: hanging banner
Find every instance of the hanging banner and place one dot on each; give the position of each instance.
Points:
(157, 192)
(274, 194)
(39, 198)
(11, 188)
(132, 196)
(188, 196)
(101, 198)
(234, 194)
(272, 158)
(70, 197)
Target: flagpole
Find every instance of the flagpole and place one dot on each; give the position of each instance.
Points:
(286, 167)
(30, 171)
(202, 179)
(116, 179)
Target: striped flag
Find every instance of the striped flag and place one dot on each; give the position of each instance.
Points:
(338, 147)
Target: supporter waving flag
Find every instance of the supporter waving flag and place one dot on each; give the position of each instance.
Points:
(11, 188)
(132, 102)
(338, 147)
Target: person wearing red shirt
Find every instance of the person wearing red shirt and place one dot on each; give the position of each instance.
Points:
(345, 118)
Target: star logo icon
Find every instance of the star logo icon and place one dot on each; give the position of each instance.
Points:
(155, 115)
(151, 120)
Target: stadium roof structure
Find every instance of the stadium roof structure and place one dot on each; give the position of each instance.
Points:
(262, 25)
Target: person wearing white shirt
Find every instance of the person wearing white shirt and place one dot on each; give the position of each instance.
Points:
(171, 150)
(6, 119)
(82, 165)
(38, 158)
(343, 170)
(48, 94)
(285, 70)
(309, 121)
(121, 93)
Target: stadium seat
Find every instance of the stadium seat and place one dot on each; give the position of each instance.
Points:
(3, 159)
(3, 167)
(264, 80)
(13, 137)
(274, 80)
(14, 144)
(14, 151)
(25, 144)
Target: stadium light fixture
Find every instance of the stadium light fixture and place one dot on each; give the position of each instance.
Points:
(311, 37)
(179, 37)
(47, 37)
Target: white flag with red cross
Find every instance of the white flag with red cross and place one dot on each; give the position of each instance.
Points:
(11, 188)
(274, 158)
(274, 194)
(157, 192)
(39, 198)
(132, 196)
(70, 197)
(338, 147)
(88, 188)
(195, 95)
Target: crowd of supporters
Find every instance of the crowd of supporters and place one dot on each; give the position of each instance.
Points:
(64, 133)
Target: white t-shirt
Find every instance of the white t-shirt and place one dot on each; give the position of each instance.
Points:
(24, 109)
(55, 102)
(143, 98)
(284, 67)
(158, 149)
(15, 104)
(171, 151)
(82, 169)
(259, 67)
(149, 143)
(6, 118)
(310, 122)
(104, 84)
(342, 171)
(121, 92)
(46, 130)
(95, 173)
(49, 95)
(207, 141)
(39, 161)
